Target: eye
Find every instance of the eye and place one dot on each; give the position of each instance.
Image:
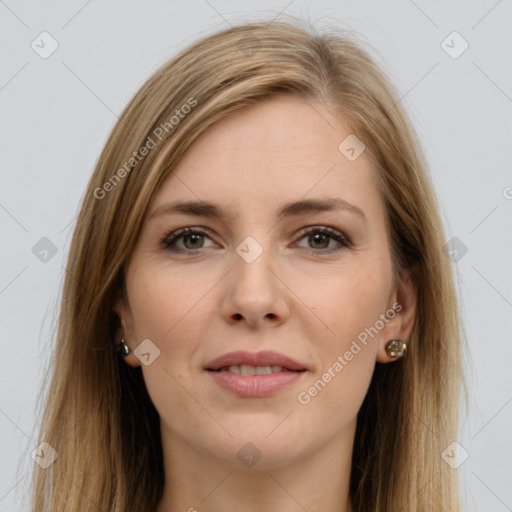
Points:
(193, 238)
(322, 236)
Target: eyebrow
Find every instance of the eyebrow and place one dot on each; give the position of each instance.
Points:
(292, 209)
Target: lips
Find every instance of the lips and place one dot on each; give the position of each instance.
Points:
(264, 358)
(255, 374)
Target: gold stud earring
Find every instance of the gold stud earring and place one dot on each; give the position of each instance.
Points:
(396, 348)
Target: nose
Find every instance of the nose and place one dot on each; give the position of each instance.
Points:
(256, 292)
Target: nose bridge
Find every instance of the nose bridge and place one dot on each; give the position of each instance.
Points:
(253, 260)
(255, 291)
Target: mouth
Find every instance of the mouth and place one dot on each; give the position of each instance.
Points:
(244, 363)
(251, 375)
(248, 370)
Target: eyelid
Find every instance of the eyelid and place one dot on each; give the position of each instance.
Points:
(333, 232)
(176, 234)
(343, 241)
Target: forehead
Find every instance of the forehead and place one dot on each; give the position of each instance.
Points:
(277, 151)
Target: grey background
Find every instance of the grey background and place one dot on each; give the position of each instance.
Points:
(57, 112)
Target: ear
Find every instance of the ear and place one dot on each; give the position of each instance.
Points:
(125, 330)
(403, 301)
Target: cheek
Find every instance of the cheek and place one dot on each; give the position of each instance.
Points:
(163, 300)
(167, 309)
(350, 300)
(350, 308)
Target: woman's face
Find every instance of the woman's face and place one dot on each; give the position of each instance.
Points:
(252, 281)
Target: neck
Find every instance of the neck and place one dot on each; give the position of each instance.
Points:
(197, 482)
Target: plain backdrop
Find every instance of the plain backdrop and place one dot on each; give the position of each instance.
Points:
(451, 61)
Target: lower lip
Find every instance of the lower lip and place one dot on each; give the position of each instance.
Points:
(253, 386)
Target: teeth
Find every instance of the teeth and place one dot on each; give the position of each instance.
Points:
(263, 370)
(245, 369)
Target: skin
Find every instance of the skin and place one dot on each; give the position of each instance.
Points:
(305, 304)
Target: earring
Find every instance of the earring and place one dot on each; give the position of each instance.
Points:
(124, 348)
(396, 348)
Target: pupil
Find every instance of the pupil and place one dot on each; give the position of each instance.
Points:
(193, 236)
(319, 235)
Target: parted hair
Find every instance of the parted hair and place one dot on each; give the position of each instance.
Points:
(96, 411)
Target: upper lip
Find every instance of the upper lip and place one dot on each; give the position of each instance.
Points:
(264, 358)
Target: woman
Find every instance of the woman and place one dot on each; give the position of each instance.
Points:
(258, 313)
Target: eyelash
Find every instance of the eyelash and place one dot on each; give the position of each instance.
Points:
(172, 237)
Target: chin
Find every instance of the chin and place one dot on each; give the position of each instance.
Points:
(256, 449)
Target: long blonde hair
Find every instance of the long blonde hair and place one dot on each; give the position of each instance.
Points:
(98, 415)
